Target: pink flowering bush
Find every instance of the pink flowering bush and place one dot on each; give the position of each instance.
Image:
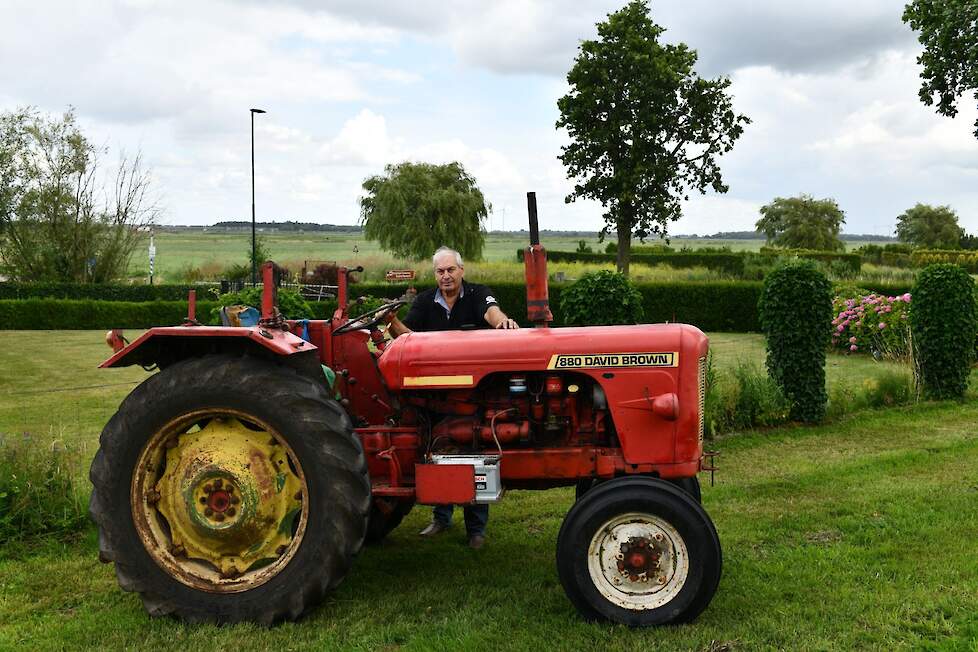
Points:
(872, 323)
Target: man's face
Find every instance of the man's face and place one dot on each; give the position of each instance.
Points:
(448, 273)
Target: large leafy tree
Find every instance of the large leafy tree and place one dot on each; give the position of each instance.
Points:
(802, 222)
(58, 220)
(932, 227)
(414, 208)
(948, 30)
(645, 129)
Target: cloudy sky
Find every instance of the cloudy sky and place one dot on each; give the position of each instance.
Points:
(350, 85)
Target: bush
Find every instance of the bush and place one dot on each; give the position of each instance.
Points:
(290, 303)
(872, 323)
(796, 313)
(943, 323)
(323, 274)
(39, 490)
(601, 298)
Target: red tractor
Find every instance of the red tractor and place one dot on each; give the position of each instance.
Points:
(239, 482)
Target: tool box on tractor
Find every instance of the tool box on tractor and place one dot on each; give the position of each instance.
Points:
(239, 481)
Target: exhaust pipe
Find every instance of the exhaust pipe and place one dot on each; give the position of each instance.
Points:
(535, 263)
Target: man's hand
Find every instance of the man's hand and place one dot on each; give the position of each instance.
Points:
(498, 319)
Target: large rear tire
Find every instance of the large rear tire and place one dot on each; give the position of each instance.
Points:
(638, 551)
(229, 489)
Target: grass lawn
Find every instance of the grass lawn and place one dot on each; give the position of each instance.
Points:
(854, 535)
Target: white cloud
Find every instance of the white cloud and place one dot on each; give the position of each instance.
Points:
(363, 141)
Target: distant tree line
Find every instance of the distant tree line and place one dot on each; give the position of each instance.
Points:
(290, 225)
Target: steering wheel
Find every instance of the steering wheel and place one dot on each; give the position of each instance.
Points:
(369, 319)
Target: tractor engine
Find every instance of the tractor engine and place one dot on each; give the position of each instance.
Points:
(519, 410)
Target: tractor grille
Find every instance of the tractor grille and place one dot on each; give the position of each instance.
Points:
(702, 397)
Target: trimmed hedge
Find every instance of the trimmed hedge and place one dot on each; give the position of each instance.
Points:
(943, 322)
(851, 262)
(99, 291)
(962, 258)
(69, 314)
(718, 306)
(732, 264)
(796, 314)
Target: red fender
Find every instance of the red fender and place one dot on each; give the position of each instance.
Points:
(145, 350)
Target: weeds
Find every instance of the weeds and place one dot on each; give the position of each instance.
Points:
(743, 398)
(40, 492)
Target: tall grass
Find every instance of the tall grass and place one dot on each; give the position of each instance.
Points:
(743, 397)
(41, 493)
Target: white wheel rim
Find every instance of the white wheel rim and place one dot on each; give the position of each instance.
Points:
(638, 561)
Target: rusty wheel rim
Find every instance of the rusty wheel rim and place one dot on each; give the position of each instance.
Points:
(217, 500)
(638, 561)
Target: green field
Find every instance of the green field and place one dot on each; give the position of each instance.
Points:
(211, 252)
(850, 536)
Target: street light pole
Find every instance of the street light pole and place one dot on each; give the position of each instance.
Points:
(254, 261)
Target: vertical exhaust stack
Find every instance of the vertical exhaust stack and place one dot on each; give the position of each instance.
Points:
(535, 262)
(269, 293)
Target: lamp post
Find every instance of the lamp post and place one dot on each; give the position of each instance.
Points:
(254, 262)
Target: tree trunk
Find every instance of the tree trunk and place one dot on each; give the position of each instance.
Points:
(624, 248)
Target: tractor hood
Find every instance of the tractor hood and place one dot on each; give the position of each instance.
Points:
(458, 359)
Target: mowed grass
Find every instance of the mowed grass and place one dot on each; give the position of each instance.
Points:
(856, 535)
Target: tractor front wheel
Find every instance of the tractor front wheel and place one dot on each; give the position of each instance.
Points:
(229, 489)
(638, 551)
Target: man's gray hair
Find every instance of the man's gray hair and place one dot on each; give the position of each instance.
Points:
(446, 250)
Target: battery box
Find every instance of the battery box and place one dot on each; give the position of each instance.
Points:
(458, 479)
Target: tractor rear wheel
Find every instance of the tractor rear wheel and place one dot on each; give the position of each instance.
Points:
(638, 551)
(229, 489)
(385, 515)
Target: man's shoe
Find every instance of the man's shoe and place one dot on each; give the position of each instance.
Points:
(476, 541)
(433, 528)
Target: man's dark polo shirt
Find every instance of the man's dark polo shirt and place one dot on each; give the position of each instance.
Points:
(468, 312)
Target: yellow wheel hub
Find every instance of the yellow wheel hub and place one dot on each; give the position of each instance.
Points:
(220, 506)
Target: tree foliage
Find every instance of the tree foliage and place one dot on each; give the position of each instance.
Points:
(802, 222)
(948, 30)
(645, 129)
(930, 227)
(60, 219)
(414, 208)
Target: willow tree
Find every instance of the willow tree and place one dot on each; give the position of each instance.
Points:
(414, 208)
(60, 218)
(645, 129)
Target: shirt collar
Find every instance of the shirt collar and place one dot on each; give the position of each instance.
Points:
(440, 300)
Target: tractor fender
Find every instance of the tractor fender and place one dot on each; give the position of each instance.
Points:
(163, 346)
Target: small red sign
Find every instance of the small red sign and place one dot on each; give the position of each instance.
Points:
(400, 275)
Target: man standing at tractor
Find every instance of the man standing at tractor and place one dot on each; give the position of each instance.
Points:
(453, 305)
